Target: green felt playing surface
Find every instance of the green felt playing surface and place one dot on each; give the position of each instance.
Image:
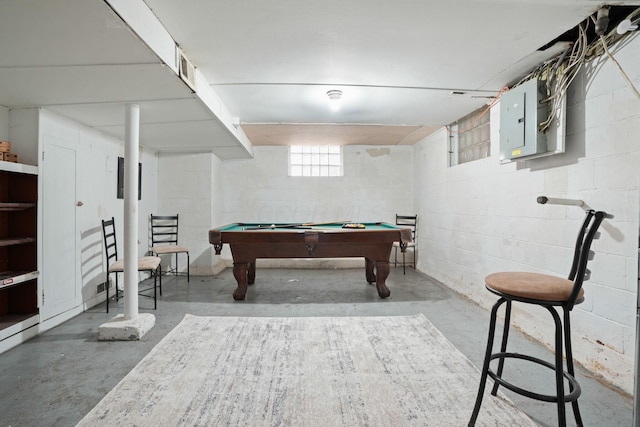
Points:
(309, 226)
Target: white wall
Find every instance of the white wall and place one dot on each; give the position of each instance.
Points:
(97, 169)
(4, 123)
(189, 185)
(208, 193)
(475, 218)
(482, 217)
(96, 181)
(377, 183)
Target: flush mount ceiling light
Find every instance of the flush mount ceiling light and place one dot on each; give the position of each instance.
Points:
(335, 96)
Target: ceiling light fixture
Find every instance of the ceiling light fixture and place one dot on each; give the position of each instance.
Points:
(335, 97)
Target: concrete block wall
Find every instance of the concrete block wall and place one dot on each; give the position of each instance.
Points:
(189, 185)
(93, 159)
(482, 217)
(377, 184)
(4, 123)
(96, 169)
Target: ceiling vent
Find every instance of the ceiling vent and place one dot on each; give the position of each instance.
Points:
(187, 70)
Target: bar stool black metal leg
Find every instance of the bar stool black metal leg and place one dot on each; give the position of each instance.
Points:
(570, 369)
(485, 365)
(503, 345)
(562, 417)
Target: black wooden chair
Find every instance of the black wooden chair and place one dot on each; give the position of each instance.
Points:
(115, 265)
(550, 292)
(410, 221)
(164, 240)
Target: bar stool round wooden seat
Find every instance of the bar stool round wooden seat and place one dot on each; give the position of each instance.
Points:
(549, 292)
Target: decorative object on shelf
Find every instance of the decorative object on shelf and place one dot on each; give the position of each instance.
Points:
(6, 154)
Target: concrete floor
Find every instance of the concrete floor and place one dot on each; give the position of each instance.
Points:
(56, 378)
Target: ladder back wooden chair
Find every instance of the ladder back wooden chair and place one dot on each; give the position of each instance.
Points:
(552, 293)
(164, 240)
(150, 264)
(410, 221)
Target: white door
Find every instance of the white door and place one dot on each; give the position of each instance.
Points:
(59, 275)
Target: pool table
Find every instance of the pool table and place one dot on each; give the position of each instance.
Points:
(248, 241)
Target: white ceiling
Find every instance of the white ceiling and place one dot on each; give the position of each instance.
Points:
(268, 65)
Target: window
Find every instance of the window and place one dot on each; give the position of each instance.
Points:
(315, 160)
(470, 138)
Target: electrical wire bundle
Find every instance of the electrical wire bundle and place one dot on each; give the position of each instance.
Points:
(613, 37)
(560, 71)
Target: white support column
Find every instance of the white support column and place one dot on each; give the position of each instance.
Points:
(129, 326)
(131, 147)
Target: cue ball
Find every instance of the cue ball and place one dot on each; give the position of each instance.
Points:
(273, 226)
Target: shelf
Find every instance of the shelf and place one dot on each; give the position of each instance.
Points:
(16, 206)
(18, 167)
(19, 312)
(11, 278)
(12, 324)
(10, 241)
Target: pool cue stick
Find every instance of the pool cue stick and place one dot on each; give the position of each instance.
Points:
(311, 224)
(299, 226)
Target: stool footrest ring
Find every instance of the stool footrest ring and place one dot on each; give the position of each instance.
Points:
(573, 384)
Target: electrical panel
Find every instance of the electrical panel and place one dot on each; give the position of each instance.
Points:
(522, 109)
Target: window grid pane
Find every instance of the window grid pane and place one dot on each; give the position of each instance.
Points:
(315, 160)
(473, 137)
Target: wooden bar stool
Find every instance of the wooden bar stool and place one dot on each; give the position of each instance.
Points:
(549, 292)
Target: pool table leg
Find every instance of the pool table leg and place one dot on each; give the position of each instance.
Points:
(368, 270)
(382, 272)
(240, 273)
(251, 272)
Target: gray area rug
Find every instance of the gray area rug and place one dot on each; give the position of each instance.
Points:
(302, 371)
